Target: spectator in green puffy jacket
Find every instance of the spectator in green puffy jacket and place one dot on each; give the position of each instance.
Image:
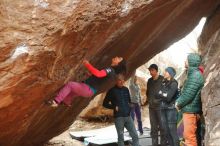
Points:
(190, 100)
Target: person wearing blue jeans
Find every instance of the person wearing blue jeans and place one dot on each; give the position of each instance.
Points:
(128, 123)
(136, 102)
(118, 99)
(168, 94)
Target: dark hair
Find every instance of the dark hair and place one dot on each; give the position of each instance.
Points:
(121, 67)
(153, 66)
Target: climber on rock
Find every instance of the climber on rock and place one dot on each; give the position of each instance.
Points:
(91, 85)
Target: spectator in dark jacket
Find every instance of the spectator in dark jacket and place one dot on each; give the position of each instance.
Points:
(153, 87)
(168, 94)
(190, 100)
(118, 99)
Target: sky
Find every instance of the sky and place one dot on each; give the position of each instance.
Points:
(178, 51)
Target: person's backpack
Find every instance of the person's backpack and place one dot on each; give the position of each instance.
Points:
(180, 126)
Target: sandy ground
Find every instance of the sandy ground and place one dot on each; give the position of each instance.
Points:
(79, 125)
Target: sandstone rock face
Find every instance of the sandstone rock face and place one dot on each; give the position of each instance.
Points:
(210, 45)
(44, 42)
(95, 110)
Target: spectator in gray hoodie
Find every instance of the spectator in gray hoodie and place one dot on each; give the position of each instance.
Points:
(136, 102)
